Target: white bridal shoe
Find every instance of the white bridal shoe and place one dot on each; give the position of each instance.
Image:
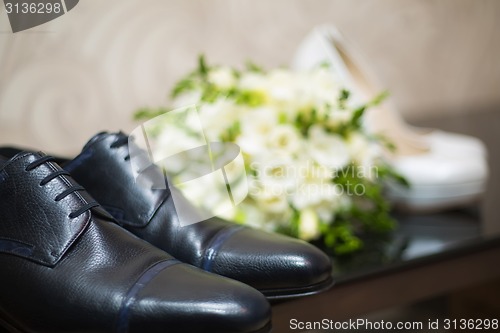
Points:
(444, 169)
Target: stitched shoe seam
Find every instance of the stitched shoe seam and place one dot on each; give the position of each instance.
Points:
(216, 244)
(130, 298)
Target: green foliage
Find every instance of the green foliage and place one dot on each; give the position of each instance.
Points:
(343, 98)
(249, 98)
(252, 67)
(149, 113)
(369, 212)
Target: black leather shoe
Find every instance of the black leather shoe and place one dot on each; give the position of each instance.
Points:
(276, 265)
(65, 266)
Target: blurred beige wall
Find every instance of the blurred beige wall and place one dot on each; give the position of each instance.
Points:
(88, 70)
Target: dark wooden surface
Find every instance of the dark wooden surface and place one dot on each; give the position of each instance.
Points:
(463, 250)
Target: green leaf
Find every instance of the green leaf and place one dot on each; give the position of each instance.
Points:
(344, 95)
(147, 113)
(184, 85)
(282, 118)
(210, 93)
(232, 132)
(202, 65)
(387, 172)
(252, 67)
(343, 98)
(250, 98)
(325, 64)
(357, 115)
(379, 98)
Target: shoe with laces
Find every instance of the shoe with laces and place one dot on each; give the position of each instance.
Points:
(278, 266)
(66, 266)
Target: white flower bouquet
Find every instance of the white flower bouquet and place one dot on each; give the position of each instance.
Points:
(313, 172)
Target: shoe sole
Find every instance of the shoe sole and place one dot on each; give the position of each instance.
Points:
(265, 329)
(291, 293)
(411, 208)
(430, 198)
(5, 327)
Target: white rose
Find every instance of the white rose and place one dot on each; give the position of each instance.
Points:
(188, 98)
(282, 86)
(222, 77)
(365, 154)
(326, 211)
(325, 85)
(172, 141)
(253, 81)
(217, 117)
(271, 200)
(312, 194)
(327, 149)
(256, 125)
(284, 138)
(276, 172)
(308, 225)
(250, 213)
(314, 187)
(338, 117)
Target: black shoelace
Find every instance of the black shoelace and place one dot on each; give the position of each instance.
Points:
(121, 141)
(35, 164)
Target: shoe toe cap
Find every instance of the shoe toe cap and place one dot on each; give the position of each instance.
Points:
(274, 264)
(185, 299)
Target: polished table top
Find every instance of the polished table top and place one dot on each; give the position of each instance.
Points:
(417, 239)
(421, 237)
(427, 254)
